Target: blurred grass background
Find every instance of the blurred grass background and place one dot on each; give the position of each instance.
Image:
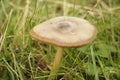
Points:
(22, 58)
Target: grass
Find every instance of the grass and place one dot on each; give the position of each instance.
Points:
(22, 58)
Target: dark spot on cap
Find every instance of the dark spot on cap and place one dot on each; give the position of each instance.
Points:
(63, 25)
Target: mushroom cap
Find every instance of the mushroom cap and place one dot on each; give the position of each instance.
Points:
(65, 31)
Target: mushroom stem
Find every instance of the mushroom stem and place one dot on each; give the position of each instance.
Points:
(56, 63)
(58, 58)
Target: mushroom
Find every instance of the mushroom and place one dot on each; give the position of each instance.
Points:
(64, 32)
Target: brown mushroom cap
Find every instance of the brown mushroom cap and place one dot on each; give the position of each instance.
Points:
(65, 31)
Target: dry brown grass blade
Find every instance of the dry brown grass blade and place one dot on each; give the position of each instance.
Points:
(4, 34)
